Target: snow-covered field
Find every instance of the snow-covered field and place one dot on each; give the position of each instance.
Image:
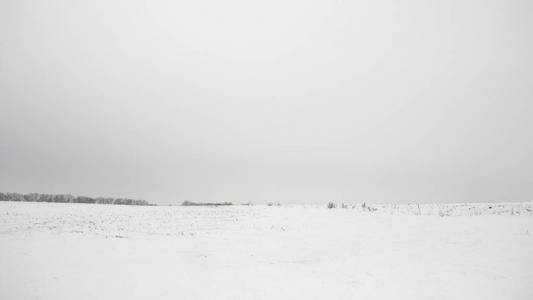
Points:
(86, 251)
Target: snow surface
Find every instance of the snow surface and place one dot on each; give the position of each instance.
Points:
(89, 251)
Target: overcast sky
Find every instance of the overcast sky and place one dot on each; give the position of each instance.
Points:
(283, 101)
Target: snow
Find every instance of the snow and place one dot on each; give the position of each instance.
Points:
(90, 251)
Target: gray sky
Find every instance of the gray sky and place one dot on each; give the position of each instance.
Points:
(284, 101)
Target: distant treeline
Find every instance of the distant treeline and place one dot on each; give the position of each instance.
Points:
(189, 203)
(67, 198)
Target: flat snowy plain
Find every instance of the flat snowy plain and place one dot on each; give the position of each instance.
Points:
(89, 251)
